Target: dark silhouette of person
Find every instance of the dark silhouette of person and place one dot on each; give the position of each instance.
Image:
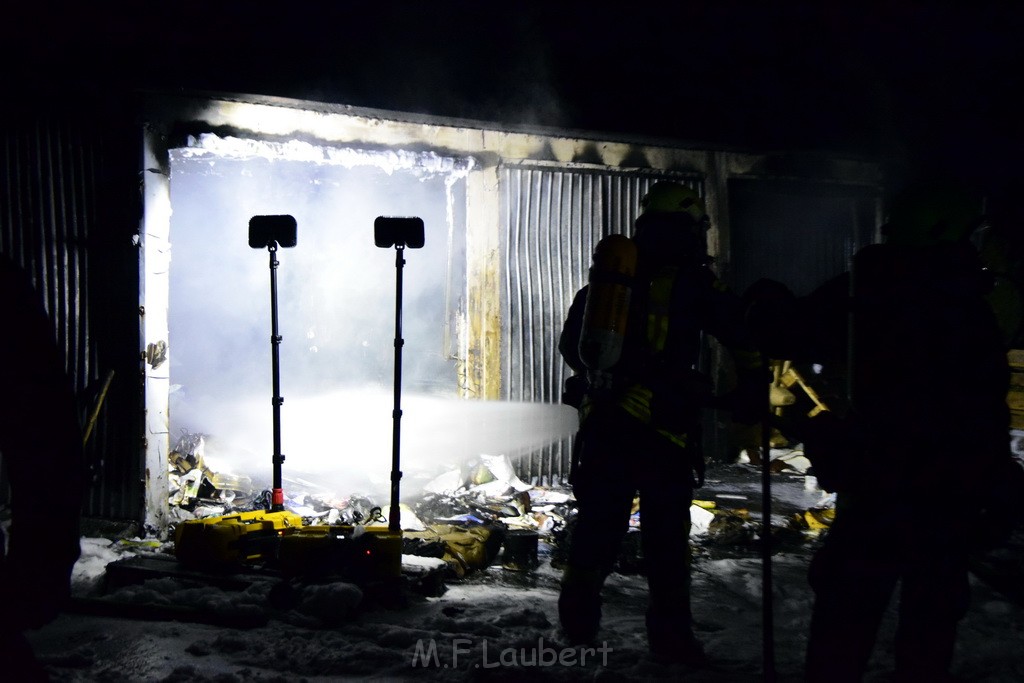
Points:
(999, 244)
(640, 430)
(923, 440)
(41, 451)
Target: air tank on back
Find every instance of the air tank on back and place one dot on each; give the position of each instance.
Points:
(606, 312)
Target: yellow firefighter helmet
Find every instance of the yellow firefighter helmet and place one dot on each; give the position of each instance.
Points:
(669, 197)
(672, 225)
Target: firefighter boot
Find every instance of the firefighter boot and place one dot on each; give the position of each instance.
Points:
(579, 604)
(670, 640)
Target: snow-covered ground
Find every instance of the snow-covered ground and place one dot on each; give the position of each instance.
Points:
(495, 624)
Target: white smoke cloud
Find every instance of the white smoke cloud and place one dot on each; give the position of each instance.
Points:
(336, 301)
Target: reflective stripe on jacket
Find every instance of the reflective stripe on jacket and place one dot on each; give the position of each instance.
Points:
(637, 398)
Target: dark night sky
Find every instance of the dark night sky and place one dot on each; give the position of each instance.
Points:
(933, 82)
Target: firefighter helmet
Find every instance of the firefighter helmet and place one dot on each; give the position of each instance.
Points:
(931, 213)
(670, 197)
(672, 225)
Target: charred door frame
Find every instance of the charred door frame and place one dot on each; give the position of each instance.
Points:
(154, 287)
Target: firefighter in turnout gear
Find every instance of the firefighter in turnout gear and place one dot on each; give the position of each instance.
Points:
(641, 400)
(41, 445)
(921, 462)
(927, 351)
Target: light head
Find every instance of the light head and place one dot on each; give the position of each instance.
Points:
(398, 232)
(271, 232)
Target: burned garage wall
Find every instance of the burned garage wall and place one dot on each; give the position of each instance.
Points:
(70, 211)
(519, 212)
(553, 218)
(68, 215)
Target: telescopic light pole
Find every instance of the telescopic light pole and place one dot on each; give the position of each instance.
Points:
(277, 492)
(394, 515)
(397, 232)
(273, 233)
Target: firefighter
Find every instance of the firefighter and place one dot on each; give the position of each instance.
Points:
(640, 418)
(924, 446)
(41, 451)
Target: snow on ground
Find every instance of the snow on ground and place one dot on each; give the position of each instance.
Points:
(495, 624)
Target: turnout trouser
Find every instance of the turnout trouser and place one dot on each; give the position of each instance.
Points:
(620, 457)
(866, 554)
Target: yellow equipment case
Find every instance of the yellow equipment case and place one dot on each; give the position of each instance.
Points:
(354, 552)
(280, 541)
(230, 540)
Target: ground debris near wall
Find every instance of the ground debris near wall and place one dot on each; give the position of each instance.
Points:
(481, 513)
(196, 491)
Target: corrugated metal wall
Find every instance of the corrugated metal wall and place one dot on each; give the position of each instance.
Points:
(45, 225)
(553, 218)
(61, 211)
(800, 233)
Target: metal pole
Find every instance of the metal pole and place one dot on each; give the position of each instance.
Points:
(277, 494)
(394, 516)
(768, 626)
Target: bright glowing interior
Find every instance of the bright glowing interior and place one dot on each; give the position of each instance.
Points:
(336, 303)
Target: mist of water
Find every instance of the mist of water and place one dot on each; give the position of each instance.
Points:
(343, 440)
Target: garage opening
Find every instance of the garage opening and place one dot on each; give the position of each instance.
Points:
(336, 300)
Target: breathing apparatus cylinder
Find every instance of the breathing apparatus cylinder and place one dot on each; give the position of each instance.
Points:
(606, 311)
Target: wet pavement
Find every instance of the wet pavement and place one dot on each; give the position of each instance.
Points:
(735, 486)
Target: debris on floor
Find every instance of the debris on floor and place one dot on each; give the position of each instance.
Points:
(782, 459)
(195, 490)
(814, 520)
(482, 514)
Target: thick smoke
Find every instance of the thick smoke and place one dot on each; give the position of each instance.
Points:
(336, 306)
